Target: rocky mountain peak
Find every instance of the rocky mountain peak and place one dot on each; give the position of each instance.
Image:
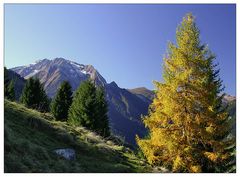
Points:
(229, 98)
(113, 84)
(53, 72)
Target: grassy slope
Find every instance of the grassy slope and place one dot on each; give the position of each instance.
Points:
(30, 138)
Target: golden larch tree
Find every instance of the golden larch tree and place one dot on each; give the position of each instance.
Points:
(187, 123)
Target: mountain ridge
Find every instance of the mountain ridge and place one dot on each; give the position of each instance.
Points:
(52, 72)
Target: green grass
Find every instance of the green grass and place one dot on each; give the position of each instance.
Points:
(31, 137)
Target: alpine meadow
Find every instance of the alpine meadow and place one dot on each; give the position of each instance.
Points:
(62, 116)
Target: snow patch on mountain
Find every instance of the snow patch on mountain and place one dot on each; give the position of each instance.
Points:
(77, 66)
(85, 72)
(32, 74)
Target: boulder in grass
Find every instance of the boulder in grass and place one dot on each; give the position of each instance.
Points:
(68, 154)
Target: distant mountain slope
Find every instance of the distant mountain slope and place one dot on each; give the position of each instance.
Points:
(125, 108)
(143, 93)
(19, 82)
(229, 99)
(231, 102)
(30, 138)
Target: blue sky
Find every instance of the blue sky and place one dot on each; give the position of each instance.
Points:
(125, 43)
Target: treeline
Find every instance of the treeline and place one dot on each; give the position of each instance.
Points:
(87, 107)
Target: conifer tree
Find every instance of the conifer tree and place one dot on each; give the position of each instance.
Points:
(101, 112)
(11, 91)
(34, 96)
(82, 111)
(28, 98)
(6, 82)
(62, 101)
(44, 101)
(89, 108)
(187, 123)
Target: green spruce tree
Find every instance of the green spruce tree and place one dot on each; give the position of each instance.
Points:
(11, 91)
(44, 101)
(6, 82)
(34, 96)
(102, 124)
(62, 101)
(28, 97)
(89, 109)
(82, 110)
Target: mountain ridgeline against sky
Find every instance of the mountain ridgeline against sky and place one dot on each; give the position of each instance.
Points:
(125, 105)
(53, 72)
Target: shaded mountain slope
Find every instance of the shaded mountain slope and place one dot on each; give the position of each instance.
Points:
(31, 137)
(19, 82)
(232, 112)
(143, 93)
(125, 110)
